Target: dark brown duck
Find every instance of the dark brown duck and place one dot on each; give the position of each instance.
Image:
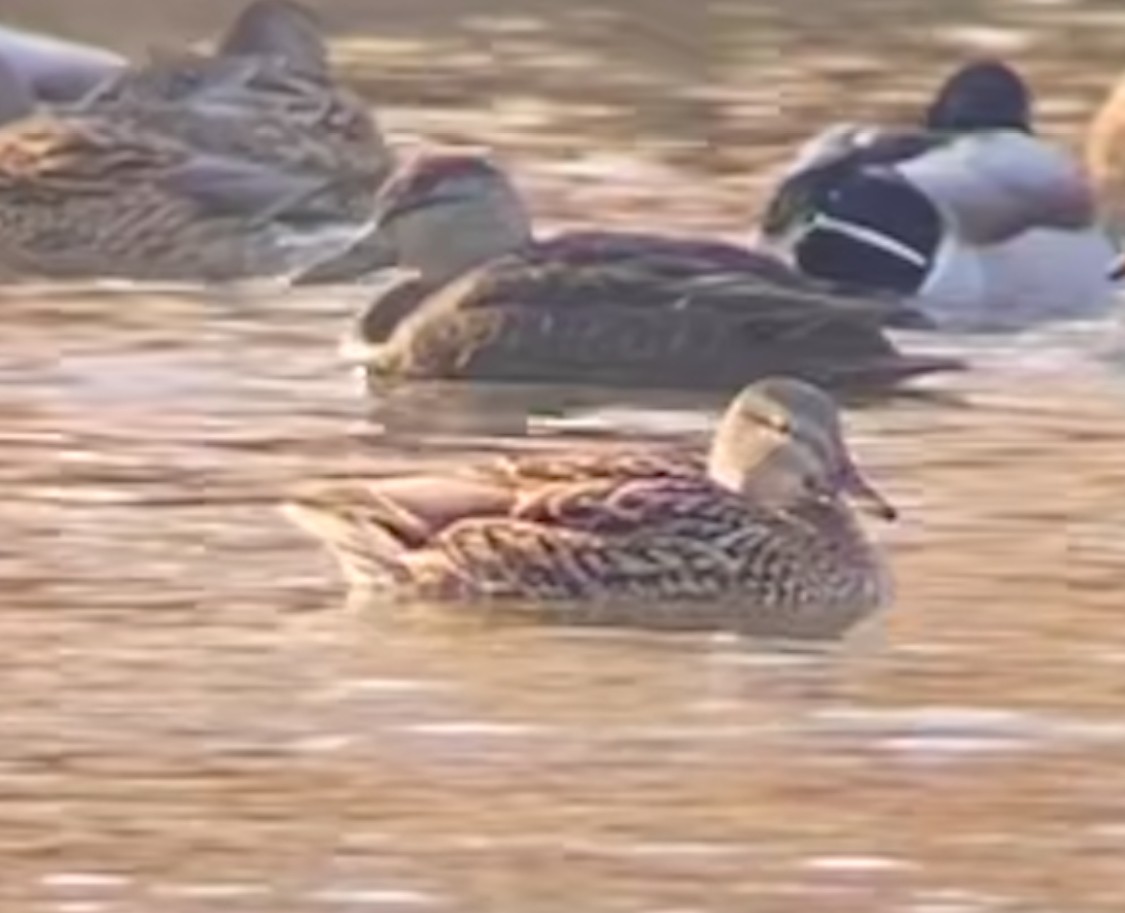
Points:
(480, 297)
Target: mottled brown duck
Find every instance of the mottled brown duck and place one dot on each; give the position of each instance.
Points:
(266, 94)
(757, 535)
(86, 196)
(479, 297)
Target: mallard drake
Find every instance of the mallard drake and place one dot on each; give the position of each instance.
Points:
(478, 297)
(266, 95)
(757, 535)
(971, 216)
(89, 196)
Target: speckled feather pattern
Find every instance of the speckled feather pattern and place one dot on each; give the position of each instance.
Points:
(490, 301)
(258, 109)
(624, 527)
(88, 196)
(637, 318)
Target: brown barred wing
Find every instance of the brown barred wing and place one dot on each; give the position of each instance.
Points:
(645, 537)
(522, 470)
(665, 255)
(45, 156)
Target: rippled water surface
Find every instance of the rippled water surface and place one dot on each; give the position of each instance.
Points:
(193, 720)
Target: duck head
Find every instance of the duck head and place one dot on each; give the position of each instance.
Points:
(444, 213)
(275, 38)
(780, 443)
(277, 28)
(984, 95)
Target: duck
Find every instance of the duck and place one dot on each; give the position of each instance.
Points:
(472, 294)
(969, 216)
(85, 196)
(265, 94)
(757, 534)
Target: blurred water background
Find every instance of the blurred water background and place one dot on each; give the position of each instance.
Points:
(192, 721)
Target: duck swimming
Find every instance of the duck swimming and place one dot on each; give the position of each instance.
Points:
(972, 217)
(265, 95)
(88, 196)
(479, 297)
(757, 535)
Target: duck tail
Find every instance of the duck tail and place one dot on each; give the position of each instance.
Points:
(356, 526)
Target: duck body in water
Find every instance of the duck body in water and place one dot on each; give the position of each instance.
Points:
(479, 297)
(756, 535)
(971, 216)
(86, 196)
(265, 95)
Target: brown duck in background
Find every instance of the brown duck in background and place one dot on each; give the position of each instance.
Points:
(757, 536)
(479, 297)
(85, 196)
(266, 94)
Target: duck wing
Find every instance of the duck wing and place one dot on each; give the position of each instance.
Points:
(230, 186)
(80, 156)
(524, 471)
(501, 520)
(654, 279)
(624, 323)
(372, 526)
(84, 156)
(636, 537)
(831, 157)
(669, 255)
(262, 111)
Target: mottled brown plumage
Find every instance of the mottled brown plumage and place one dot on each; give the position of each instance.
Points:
(757, 536)
(89, 196)
(486, 300)
(244, 163)
(266, 95)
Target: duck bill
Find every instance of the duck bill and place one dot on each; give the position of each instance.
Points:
(865, 495)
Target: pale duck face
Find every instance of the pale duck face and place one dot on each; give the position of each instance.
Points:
(443, 214)
(781, 445)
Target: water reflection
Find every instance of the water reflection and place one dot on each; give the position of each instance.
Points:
(194, 721)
